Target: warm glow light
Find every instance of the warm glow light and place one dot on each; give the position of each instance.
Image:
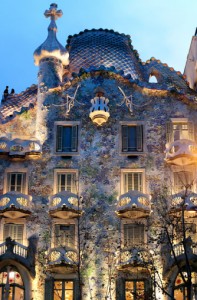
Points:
(11, 275)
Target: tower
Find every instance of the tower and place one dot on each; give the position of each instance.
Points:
(51, 57)
(191, 63)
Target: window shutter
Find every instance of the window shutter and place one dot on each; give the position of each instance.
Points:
(120, 289)
(77, 289)
(73, 183)
(74, 140)
(169, 132)
(59, 138)
(49, 284)
(57, 235)
(15, 231)
(191, 131)
(125, 138)
(19, 234)
(6, 231)
(139, 133)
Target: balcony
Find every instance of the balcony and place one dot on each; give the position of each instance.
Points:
(177, 255)
(134, 204)
(181, 152)
(133, 257)
(179, 249)
(19, 148)
(12, 250)
(187, 203)
(63, 260)
(64, 205)
(15, 205)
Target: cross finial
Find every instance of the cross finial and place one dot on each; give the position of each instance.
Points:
(53, 13)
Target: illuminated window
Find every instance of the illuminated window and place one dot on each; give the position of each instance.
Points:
(65, 235)
(132, 138)
(63, 290)
(11, 284)
(180, 290)
(15, 231)
(133, 235)
(66, 137)
(132, 180)
(135, 290)
(182, 179)
(179, 129)
(16, 182)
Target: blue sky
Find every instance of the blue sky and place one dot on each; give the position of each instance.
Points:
(162, 29)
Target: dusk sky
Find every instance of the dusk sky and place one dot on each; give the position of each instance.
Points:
(162, 29)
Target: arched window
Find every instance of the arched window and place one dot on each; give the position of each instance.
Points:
(180, 290)
(11, 284)
(152, 79)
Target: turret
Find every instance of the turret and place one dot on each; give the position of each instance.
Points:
(51, 57)
(191, 64)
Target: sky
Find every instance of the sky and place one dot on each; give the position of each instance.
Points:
(160, 29)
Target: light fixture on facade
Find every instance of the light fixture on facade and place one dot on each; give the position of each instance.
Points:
(99, 112)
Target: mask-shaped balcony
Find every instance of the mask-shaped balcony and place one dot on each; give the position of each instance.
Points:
(64, 205)
(134, 204)
(131, 258)
(181, 152)
(187, 203)
(15, 205)
(19, 148)
(63, 260)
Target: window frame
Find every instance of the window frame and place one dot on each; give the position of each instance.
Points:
(67, 222)
(63, 285)
(66, 124)
(19, 221)
(135, 280)
(15, 171)
(132, 222)
(127, 171)
(49, 285)
(65, 171)
(143, 138)
(177, 169)
(170, 130)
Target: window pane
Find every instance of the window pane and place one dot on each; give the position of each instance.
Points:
(16, 182)
(132, 139)
(65, 235)
(133, 182)
(15, 231)
(63, 290)
(134, 290)
(133, 234)
(66, 182)
(66, 139)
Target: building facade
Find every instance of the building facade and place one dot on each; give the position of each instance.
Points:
(98, 175)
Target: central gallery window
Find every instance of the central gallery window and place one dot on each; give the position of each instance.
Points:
(63, 290)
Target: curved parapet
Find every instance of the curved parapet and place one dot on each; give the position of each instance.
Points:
(134, 204)
(15, 205)
(64, 205)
